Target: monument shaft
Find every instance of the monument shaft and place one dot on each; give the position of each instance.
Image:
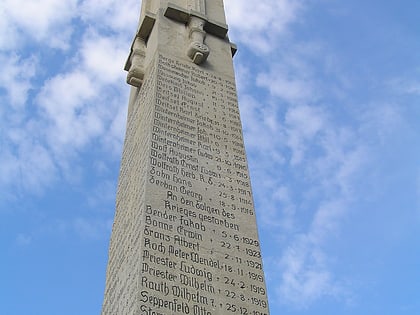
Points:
(184, 239)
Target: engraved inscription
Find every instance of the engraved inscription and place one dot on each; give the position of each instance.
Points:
(199, 249)
(184, 239)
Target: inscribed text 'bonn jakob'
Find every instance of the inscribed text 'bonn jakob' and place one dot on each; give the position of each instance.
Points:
(184, 239)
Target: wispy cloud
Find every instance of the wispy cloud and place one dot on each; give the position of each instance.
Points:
(92, 229)
(23, 239)
(26, 165)
(119, 16)
(305, 161)
(48, 124)
(16, 78)
(103, 58)
(302, 125)
(318, 182)
(309, 143)
(257, 24)
(405, 85)
(45, 21)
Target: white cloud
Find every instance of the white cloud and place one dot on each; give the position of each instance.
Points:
(103, 57)
(381, 119)
(15, 78)
(85, 228)
(291, 89)
(405, 85)
(256, 24)
(9, 168)
(102, 196)
(9, 37)
(243, 76)
(50, 21)
(47, 128)
(64, 100)
(282, 197)
(37, 167)
(43, 20)
(119, 15)
(257, 118)
(23, 239)
(302, 125)
(291, 76)
(87, 102)
(27, 167)
(114, 137)
(92, 229)
(305, 274)
(305, 160)
(320, 189)
(329, 185)
(281, 136)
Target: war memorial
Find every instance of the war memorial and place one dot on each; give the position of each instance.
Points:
(184, 238)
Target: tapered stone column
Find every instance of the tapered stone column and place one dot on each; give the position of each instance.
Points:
(184, 239)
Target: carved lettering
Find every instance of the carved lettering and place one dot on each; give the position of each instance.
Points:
(182, 228)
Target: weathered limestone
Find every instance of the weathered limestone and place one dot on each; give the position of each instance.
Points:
(184, 239)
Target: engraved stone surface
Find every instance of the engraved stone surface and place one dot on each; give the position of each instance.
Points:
(184, 239)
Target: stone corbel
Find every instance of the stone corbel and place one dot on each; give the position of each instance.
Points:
(135, 61)
(197, 50)
(135, 76)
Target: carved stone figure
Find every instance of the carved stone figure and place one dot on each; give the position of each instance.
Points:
(197, 50)
(135, 74)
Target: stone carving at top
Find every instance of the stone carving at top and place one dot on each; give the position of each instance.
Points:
(197, 50)
(199, 26)
(135, 62)
(135, 74)
(193, 15)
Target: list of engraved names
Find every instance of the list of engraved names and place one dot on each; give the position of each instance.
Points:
(200, 253)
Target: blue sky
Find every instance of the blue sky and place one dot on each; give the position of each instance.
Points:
(329, 96)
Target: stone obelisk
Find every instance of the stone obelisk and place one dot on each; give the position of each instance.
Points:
(184, 239)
